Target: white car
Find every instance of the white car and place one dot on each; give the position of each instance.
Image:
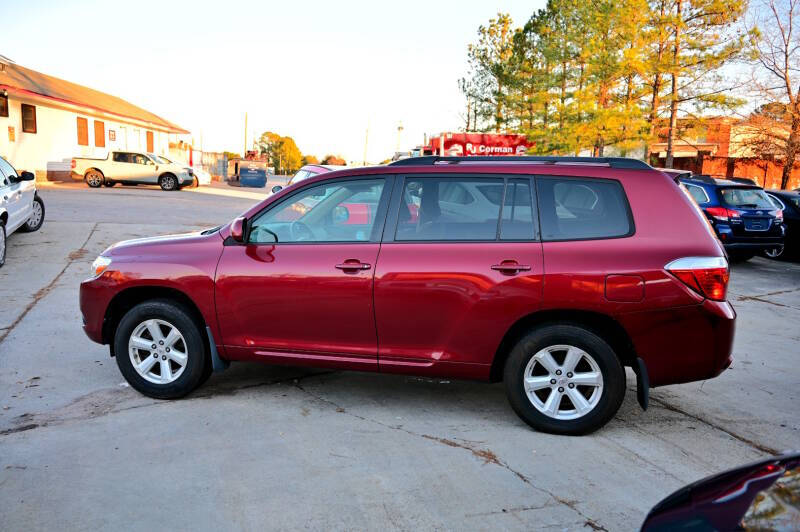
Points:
(131, 168)
(20, 205)
(201, 176)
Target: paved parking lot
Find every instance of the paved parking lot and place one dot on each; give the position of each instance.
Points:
(273, 447)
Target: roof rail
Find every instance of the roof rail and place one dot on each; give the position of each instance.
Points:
(613, 162)
(704, 178)
(742, 180)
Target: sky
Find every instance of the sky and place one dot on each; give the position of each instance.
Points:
(322, 72)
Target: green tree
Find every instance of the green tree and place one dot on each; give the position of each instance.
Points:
(702, 39)
(334, 160)
(283, 153)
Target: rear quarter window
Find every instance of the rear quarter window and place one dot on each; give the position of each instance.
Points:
(582, 209)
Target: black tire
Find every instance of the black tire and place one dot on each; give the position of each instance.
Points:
(36, 220)
(776, 253)
(109, 184)
(168, 182)
(197, 365)
(94, 178)
(611, 393)
(3, 243)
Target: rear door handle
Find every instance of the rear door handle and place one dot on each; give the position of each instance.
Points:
(510, 267)
(353, 265)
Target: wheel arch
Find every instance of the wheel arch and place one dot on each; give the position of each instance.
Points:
(95, 169)
(165, 174)
(603, 325)
(125, 300)
(3, 216)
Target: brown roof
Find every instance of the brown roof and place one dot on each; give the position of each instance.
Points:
(27, 80)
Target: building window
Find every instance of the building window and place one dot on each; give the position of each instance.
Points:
(4, 106)
(28, 118)
(150, 142)
(99, 134)
(83, 132)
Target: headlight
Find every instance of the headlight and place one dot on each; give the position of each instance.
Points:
(99, 265)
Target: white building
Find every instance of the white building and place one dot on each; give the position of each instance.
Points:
(45, 121)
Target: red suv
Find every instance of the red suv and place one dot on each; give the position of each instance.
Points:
(551, 274)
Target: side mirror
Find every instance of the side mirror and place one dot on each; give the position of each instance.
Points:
(237, 229)
(276, 189)
(26, 176)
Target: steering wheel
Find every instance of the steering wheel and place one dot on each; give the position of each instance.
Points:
(300, 232)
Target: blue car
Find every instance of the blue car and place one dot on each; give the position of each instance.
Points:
(741, 213)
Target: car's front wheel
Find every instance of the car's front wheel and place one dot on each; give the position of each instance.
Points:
(168, 182)
(564, 379)
(36, 220)
(160, 350)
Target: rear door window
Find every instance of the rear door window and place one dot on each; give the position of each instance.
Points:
(517, 221)
(448, 209)
(579, 209)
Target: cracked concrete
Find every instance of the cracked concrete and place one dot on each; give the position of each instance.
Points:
(276, 447)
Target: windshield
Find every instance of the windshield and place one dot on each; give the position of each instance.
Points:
(301, 175)
(159, 160)
(746, 198)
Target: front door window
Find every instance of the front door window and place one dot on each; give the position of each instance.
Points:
(329, 212)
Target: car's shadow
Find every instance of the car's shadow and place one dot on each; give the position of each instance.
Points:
(389, 396)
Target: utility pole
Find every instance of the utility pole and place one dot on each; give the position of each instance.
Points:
(244, 154)
(399, 132)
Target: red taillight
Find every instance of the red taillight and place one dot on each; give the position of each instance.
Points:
(722, 214)
(778, 214)
(73, 164)
(768, 471)
(708, 276)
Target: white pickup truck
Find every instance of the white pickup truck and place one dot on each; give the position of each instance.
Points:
(133, 168)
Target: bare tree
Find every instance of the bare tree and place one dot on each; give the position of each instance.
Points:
(775, 48)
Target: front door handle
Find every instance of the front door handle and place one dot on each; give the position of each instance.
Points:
(510, 267)
(353, 265)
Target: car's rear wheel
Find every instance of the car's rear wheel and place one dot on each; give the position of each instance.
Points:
(36, 220)
(94, 178)
(564, 379)
(774, 253)
(160, 350)
(2, 244)
(168, 182)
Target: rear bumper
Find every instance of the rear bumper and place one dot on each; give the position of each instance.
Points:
(766, 243)
(683, 344)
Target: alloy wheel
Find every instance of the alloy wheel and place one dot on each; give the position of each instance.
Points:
(775, 252)
(36, 216)
(158, 351)
(94, 179)
(563, 382)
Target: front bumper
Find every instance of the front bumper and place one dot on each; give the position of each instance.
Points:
(95, 295)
